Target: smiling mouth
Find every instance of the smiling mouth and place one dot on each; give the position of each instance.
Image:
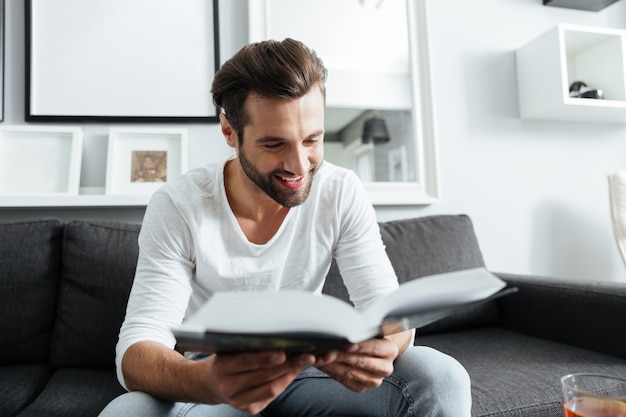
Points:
(290, 182)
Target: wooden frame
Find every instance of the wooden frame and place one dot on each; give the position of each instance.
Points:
(121, 61)
(40, 161)
(426, 189)
(141, 160)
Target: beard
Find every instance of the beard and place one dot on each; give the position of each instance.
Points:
(285, 197)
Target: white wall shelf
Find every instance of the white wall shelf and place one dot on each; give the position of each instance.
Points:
(87, 198)
(549, 64)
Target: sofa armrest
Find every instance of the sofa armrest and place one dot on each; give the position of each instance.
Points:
(587, 314)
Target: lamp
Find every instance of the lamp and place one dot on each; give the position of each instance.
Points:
(375, 130)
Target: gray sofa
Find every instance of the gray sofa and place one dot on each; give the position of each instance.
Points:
(64, 287)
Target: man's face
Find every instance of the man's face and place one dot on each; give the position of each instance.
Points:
(283, 145)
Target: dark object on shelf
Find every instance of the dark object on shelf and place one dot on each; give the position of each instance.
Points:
(375, 130)
(590, 5)
(578, 89)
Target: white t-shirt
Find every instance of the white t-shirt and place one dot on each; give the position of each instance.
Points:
(191, 246)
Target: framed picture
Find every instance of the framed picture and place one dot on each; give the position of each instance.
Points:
(40, 161)
(123, 60)
(140, 161)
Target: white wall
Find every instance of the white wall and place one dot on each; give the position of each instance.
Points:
(536, 191)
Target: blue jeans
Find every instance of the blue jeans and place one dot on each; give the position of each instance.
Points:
(424, 383)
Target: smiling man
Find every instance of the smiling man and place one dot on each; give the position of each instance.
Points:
(293, 149)
(271, 217)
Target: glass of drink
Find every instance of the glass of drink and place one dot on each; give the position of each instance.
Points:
(593, 395)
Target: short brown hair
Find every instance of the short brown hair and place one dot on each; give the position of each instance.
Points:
(271, 69)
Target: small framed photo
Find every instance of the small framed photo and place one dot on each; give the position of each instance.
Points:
(40, 161)
(141, 160)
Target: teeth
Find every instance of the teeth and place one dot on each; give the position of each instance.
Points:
(290, 179)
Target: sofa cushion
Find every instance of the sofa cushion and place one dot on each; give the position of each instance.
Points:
(99, 261)
(514, 374)
(76, 393)
(30, 261)
(431, 245)
(20, 385)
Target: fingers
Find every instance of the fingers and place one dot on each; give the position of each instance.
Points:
(351, 379)
(255, 398)
(359, 373)
(362, 366)
(249, 382)
(376, 355)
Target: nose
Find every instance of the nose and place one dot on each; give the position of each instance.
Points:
(297, 160)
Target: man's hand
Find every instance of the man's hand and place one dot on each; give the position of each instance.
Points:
(364, 365)
(249, 382)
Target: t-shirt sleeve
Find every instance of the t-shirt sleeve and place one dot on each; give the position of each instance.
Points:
(360, 253)
(161, 288)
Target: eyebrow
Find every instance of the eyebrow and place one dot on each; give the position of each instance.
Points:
(266, 139)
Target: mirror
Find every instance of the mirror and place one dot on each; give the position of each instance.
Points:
(379, 117)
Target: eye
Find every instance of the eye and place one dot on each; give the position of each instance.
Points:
(272, 145)
(313, 140)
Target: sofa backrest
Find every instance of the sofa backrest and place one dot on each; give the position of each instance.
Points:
(30, 262)
(425, 246)
(99, 262)
(65, 286)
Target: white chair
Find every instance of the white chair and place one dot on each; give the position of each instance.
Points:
(617, 198)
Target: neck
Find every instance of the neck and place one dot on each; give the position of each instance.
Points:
(258, 215)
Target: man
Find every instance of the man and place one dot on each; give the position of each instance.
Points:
(272, 217)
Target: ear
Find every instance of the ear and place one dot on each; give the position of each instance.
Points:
(228, 131)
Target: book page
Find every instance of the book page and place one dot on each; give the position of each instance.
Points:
(435, 292)
(282, 312)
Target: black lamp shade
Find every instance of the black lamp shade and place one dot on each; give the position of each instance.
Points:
(375, 131)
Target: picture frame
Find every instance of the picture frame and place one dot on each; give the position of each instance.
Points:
(140, 161)
(40, 161)
(134, 64)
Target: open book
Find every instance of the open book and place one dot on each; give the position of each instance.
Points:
(298, 321)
